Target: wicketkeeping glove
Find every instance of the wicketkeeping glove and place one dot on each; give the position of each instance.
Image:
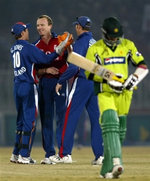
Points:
(65, 40)
(116, 86)
(131, 82)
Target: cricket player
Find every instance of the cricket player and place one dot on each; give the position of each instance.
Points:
(81, 95)
(24, 55)
(49, 100)
(114, 53)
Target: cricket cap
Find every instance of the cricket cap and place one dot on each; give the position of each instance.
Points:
(84, 21)
(112, 27)
(19, 27)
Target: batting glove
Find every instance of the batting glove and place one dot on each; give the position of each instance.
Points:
(116, 86)
(131, 82)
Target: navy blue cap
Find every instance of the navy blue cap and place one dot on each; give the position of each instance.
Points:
(19, 27)
(84, 21)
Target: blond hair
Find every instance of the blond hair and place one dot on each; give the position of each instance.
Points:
(49, 19)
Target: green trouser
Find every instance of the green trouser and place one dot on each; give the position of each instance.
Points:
(122, 128)
(111, 139)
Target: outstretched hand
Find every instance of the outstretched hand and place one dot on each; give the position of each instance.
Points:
(64, 36)
(65, 40)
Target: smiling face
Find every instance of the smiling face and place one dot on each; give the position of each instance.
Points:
(43, 27)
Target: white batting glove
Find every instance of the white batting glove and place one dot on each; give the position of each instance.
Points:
(131, 82)
(116, 86)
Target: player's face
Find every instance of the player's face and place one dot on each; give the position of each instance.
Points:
(77, 28)
(112, 39)
(42, 27)
(25, 34)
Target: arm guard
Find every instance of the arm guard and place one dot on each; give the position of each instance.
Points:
(134, 79)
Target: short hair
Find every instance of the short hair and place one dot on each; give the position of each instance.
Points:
(86, 28)
(17, 36)
(49, 19)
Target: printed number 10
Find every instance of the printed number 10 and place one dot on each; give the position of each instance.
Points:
(16, 57)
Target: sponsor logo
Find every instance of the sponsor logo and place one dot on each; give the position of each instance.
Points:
(114, 60)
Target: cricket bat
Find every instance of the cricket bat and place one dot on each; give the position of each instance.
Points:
(92, 67)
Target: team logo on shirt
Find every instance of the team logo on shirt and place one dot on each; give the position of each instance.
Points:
(114, 60)
(91, 42)
(138, 54)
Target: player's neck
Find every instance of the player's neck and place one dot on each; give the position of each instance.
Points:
(81, 32)
(46, 38)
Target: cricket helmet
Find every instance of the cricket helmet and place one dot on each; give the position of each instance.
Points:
(111, 29)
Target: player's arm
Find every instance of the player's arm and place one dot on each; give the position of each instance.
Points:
(49, 70)
(37, 56)
(70, 72)
(135, 78)
(72, 69)
(65, 40)
(141, 68)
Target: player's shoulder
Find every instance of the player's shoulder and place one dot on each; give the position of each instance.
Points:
(24, 43)
(30, 47)
(127, 42)
(92, 41)
(98, 44)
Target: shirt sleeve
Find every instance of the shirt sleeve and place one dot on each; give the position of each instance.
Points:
(136, 56)
(71, 71)
(37, 56)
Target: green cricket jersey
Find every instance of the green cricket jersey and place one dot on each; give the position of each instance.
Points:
(116, 61)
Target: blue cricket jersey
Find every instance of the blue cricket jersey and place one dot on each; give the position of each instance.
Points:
(81, 94)
(24, 55)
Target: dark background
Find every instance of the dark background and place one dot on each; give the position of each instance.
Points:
(133, 14)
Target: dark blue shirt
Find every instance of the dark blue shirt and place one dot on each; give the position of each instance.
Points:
(24, 55)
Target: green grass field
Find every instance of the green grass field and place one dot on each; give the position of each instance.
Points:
(136, 164)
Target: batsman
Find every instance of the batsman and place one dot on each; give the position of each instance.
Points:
(114, 52)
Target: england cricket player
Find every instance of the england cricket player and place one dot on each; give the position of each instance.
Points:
(24, 55)
(81, 95)
(114, 53)
(49, 100)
